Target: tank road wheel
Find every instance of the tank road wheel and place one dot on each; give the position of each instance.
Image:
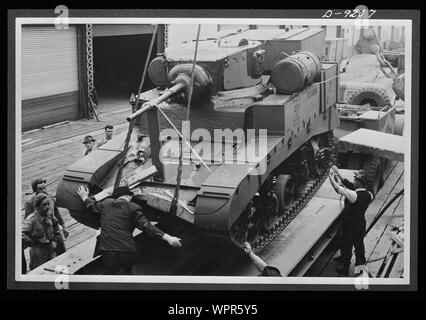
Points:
(373, 167)
(285, 189)
(319, 155)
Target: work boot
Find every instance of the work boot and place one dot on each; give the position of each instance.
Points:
(343, 270)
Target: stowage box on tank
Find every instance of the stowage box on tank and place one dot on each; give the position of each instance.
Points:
(276, 42)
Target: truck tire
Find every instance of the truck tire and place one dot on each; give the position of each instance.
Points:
(374, 169)
(376, 97)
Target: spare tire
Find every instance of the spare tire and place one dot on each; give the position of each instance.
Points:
(374, 96)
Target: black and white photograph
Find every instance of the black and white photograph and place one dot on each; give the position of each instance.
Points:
(158, 150)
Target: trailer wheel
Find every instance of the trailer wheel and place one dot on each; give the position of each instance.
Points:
(285, 189)
(374, 96)
(374, 169)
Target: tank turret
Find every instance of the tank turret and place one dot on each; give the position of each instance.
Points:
(220, 67)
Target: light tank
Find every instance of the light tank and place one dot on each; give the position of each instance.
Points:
(256, 148)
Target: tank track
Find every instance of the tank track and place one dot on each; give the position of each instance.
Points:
(295, 208)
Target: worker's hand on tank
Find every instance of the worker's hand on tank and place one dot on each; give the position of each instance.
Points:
(247, 247)
(172, 241)
(53, 244)
(65, 231)
(337, 179)
(83, 192)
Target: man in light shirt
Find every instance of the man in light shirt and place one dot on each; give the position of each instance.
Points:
(108, 135)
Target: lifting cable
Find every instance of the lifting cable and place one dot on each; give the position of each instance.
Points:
(130, 129)
(188, 106)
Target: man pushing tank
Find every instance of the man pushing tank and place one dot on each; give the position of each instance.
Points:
(119, 217)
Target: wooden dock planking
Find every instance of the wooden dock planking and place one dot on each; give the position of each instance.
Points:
(111, 113)
(392, 186)
(384, 243)
(398, 266)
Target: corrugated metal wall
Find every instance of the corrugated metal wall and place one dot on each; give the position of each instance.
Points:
(49, 76)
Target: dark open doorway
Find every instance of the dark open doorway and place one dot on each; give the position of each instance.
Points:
(119, 62)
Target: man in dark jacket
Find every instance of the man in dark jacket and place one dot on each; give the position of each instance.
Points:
(119, 218)
(39, 186)
(357, 200)
(40, 232)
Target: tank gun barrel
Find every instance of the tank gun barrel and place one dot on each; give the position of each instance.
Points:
(178, 87)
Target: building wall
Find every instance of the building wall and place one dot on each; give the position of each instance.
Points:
(49, 76)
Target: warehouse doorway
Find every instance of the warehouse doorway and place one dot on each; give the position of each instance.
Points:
(118, 63)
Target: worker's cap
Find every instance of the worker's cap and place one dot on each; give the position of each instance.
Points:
(39, 199)
(121, 191)
(38, 182)
(88, 139)
(361, 175)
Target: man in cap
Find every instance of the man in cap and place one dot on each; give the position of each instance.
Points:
(40, 232)
(89, 143)
(108, 135)
(357, 200)
(39, 186)
(119, 217)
